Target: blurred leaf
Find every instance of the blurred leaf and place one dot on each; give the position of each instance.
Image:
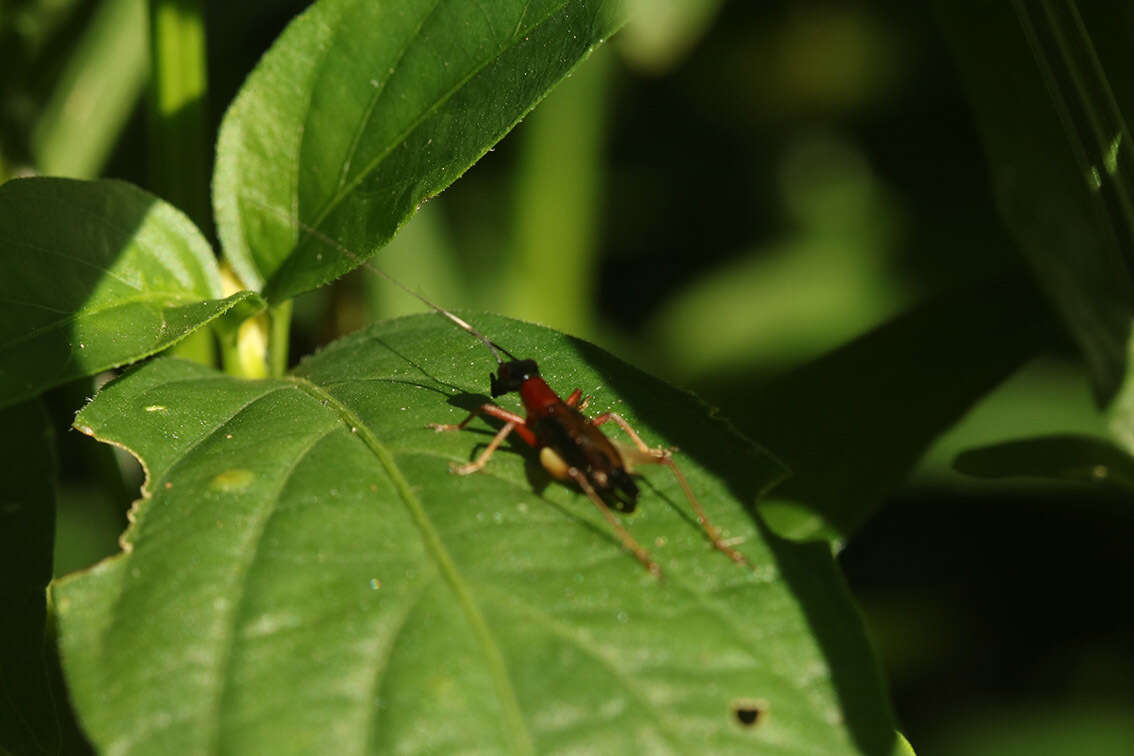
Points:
(903, 747)
(1049, 396)
(96, 275)
(790, 300)
(28, 721)
(361, 111)
(95, 94)
(304, 574)
(851, 424)
(775, 309)
(1073, 458)
(1059, 149)
(1120, 415)
(661, 32)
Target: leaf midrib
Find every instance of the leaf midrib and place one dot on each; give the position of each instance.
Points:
(515, 725)
(347, 187)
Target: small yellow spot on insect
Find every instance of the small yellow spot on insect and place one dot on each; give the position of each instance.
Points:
(228, 435)
(168, 484)
(156, 408)
(353, 429)
(231, 481)
(749, 712)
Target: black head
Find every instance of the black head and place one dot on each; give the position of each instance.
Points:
(511, 375)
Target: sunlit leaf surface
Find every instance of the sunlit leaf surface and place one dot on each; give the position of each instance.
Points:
(362, 110)
(96, 274)
(304, 574)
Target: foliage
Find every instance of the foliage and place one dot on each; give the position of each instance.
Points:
(302, 572)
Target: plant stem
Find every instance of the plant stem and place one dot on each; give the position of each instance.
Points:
(179, 158)
(280, 317)
(557, 204)
(96, 92)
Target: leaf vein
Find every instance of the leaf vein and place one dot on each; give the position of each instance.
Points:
(514, 723)
(377, 95)
(339, 196)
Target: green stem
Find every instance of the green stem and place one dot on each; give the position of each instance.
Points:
(179, 158)
(551, 271)
(96, 92)
(280, 317)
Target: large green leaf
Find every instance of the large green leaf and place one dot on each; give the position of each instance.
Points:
(95, 275)
(304, 574)
(362, 110)
(1059, 153)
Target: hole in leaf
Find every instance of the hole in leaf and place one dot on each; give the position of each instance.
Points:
(749, 712)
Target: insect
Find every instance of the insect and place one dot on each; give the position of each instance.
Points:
(571, 446)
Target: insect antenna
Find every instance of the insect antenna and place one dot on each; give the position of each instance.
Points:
(493, 347)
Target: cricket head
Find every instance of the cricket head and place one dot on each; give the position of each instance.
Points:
(511, 375)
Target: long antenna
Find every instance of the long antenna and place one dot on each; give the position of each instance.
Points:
(493, 347)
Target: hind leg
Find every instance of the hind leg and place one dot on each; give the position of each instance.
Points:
(660, 456)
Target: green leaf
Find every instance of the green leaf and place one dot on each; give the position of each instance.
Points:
(96, 275)
(304, 573)
(362, 110)
(27, 524)
(1073, 458)
(1059, 150)
(852, 424)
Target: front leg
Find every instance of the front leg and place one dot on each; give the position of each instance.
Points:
(512, 422)
(480, 461)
